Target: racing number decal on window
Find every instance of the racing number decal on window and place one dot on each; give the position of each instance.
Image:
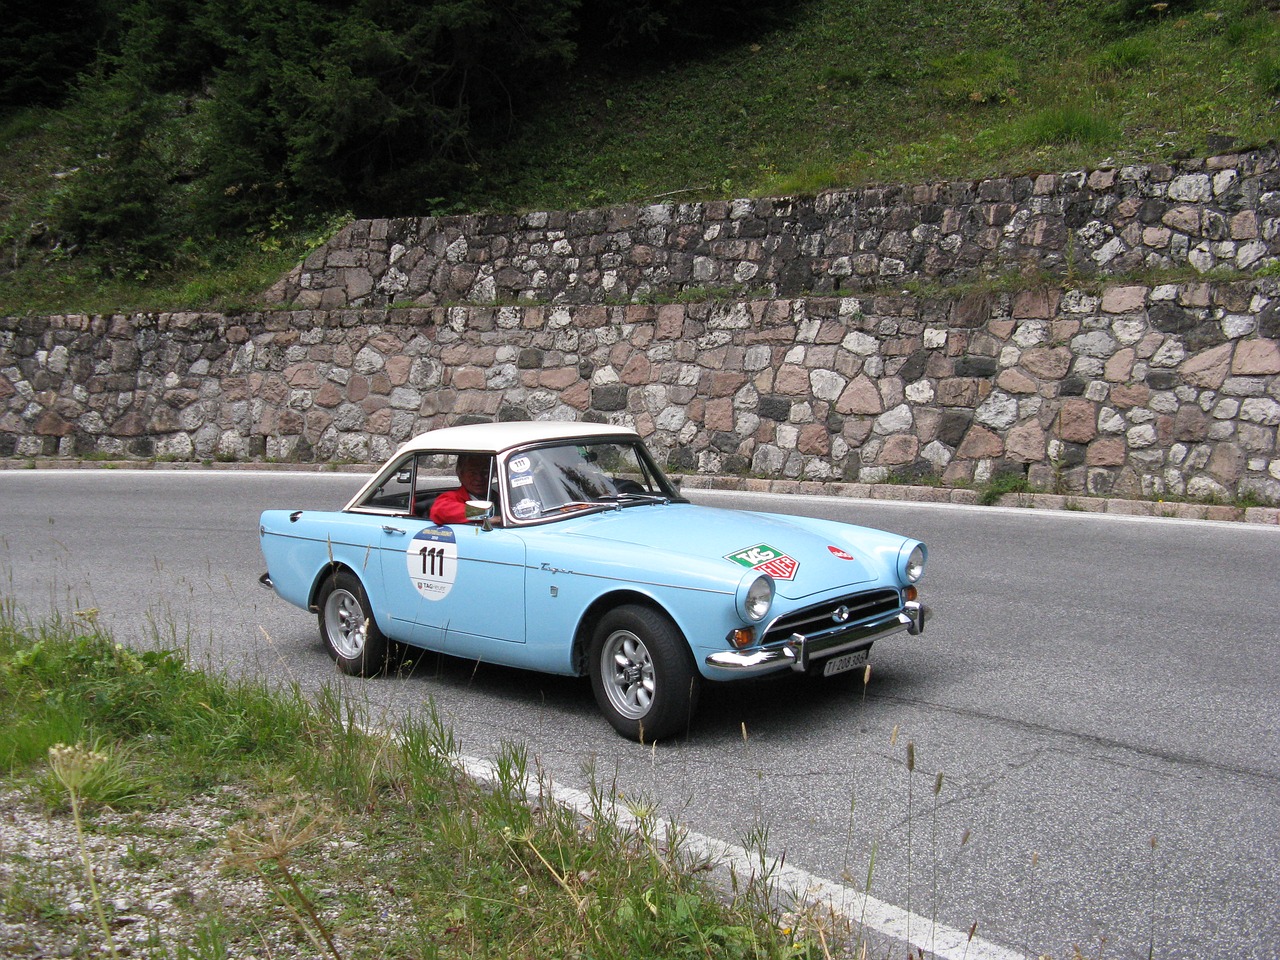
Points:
(432, 559)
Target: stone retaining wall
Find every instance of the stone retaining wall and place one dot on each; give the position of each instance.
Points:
(1221, 212)
(1171, 389)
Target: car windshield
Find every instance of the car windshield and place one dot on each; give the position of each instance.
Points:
(551, 481)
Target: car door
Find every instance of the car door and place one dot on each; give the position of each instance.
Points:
(399, 557)
(468, 587)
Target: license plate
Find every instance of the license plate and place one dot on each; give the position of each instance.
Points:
(846, 661)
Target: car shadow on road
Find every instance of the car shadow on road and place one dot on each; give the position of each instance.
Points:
(508, 683)
(774, 706)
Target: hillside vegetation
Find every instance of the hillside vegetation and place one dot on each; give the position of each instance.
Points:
(190, 161)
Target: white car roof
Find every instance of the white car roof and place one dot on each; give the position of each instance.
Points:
(497, 437)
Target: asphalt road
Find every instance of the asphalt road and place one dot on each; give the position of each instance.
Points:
(1100, 694)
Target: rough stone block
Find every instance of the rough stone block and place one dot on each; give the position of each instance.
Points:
(1077, 421)
(1256, 358)
(980, 444)
(1125, 396)
(1124, 299)
(1209, 368)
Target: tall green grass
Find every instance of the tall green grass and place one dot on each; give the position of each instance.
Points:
(362, 834)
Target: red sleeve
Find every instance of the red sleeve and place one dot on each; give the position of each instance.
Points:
(450, 507)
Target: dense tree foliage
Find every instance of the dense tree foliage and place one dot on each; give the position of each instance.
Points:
(44, 46)
(204, 117)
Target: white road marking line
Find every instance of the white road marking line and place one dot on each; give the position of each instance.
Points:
(804, 888)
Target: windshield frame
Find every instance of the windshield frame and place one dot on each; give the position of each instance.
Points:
(655, 486)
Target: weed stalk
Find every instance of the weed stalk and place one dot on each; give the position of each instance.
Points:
(74, 767)
(937, 789)
(911, 766)
(275, 845)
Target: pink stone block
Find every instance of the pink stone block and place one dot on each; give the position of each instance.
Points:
(1256, 358)
(1124, 299)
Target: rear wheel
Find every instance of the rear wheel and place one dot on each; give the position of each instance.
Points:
(347, 626)
(642, 673)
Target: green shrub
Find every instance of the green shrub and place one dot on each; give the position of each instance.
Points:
(1065, 125)
(1125, 56)
(987, 76)
(1267, 75)
(1003, 482)
(127, 196)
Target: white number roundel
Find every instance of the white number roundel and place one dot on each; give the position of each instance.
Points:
(432, 558)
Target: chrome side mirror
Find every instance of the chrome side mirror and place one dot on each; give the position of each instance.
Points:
(481, 510)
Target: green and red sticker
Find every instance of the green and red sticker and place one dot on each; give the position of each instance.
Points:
(768, 560)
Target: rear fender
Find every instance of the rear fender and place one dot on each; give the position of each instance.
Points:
(303, 549)
(323, 574)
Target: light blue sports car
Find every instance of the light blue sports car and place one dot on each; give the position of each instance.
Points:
(562, 547)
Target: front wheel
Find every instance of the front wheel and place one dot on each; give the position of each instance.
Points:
(346, 624)
(642, 674)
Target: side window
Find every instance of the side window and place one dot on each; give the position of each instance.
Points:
(412, 485)
(521, 492)
(392, 494)
(433, 474)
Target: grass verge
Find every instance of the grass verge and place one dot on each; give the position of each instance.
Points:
(163, 812)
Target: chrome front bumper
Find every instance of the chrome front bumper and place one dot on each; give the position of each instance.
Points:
(799, 651)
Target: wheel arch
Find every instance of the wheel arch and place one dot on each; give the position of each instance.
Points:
(598, 608)
(322, 575)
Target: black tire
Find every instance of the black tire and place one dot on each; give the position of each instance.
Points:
(643, 674)
(348, 629)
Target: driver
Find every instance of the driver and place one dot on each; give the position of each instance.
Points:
(473, 471)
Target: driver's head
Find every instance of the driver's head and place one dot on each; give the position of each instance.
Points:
(473, 474)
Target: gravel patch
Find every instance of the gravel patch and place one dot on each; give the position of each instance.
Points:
(164, 882)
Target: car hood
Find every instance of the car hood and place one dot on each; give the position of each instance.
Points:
(803, 555)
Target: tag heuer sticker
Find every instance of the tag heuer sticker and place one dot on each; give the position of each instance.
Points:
(768, 560)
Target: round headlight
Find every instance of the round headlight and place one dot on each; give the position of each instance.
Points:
(914, 568)
(758, 598)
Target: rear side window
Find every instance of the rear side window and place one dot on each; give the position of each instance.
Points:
(410, 487)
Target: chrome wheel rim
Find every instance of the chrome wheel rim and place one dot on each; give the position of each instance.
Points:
(627, 670)
(345, 623)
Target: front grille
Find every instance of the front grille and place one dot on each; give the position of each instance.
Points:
(822, 620)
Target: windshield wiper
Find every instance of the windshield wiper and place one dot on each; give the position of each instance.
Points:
(583, 506)
(628, 499)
